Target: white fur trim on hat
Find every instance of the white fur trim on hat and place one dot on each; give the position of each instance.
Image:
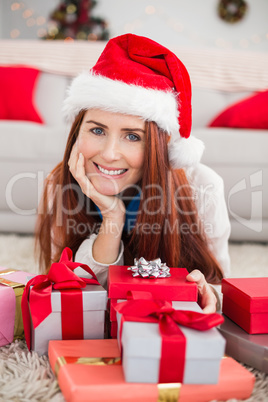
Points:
(89, 90)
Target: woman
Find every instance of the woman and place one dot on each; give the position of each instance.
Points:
(130, 183)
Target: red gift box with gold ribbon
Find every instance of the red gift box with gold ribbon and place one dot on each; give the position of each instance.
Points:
(61, 305)
(90, 371)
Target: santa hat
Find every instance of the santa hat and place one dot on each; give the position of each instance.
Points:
(137, 76)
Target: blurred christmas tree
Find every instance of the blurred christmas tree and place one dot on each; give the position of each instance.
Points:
(72, 19)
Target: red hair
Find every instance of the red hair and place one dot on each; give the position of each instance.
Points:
(161, 215)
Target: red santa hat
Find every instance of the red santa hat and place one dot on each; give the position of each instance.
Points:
(137, 76)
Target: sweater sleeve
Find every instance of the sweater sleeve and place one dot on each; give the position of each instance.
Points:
(209, 197)
(84, 256)
(208, 189)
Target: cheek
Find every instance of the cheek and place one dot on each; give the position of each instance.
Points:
(85, 147)
(138, 160)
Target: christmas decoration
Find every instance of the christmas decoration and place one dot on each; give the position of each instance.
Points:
(232, 10)
(72, 19)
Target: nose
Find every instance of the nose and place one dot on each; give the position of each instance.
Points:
(110, 150)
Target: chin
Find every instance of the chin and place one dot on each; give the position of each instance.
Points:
(107, 192)
(106, 189)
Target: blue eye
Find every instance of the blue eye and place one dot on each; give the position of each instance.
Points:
(97, 131)
(133, 137)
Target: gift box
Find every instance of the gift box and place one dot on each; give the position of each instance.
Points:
(175, 287)
(168, 344)
(113, 329)
(12, 283)
(62, 305)
(113, 321)
(120, 281)
(247, 348)
(245, 301)
(90, 370)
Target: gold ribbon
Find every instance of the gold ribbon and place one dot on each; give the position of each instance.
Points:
(11, 284)
(7, 282)
(91, 361)
(169, 392)
(8, 271)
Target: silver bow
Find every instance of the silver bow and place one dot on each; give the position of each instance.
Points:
(147, 269)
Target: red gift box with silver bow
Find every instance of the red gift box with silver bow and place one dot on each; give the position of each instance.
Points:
(61, 305)
(172, 288)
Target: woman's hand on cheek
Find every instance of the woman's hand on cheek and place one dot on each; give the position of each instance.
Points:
(206, 296)
(111, 207)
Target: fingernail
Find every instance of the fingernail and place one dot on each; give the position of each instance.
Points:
(80, 155)
(194, 275)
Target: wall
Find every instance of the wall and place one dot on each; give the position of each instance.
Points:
(26, 18)
(188, 22)
(191, 23)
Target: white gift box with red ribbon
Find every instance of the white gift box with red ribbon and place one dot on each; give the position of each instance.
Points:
(141, 349)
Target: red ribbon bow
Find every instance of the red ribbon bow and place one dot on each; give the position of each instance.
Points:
(60, 277)
(173, 340)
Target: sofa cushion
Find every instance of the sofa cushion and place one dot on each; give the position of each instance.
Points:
(50, 94)
(27, 141)
(208, 103)
(251, 112)
(239, 147)
(240, 158)
(18, 84)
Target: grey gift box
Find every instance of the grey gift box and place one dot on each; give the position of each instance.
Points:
(141, 343)
(248, 349)
(94, 306)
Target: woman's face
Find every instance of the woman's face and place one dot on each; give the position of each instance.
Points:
(113, 146)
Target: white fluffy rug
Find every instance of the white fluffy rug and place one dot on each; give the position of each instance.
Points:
(26, 377)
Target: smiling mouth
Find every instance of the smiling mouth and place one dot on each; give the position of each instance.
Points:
(110, 172)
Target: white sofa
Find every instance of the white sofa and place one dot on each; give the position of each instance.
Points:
(29, 151)
(240, 156)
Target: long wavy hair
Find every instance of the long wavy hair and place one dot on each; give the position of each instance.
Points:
(166, 206)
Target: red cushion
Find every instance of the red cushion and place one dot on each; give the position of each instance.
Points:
(251, 112)
(17, 89)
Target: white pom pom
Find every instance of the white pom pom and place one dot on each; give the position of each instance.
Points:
(185, 152)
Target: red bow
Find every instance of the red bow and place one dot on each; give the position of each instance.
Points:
(173, 339)
(60, 277)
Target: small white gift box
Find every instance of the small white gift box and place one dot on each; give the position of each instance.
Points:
(141, 345)
(94, 305)
(62, 305)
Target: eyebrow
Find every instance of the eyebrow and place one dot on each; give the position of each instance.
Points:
(133, 129)
(97, 123)
(123, 129)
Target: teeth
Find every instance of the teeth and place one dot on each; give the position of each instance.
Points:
(111, 172)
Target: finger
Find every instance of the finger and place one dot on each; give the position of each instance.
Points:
(196, 276)
(211, 303)
(81, 177)
(84, 182)
(74, 151)
(206, 296)
(73, 158)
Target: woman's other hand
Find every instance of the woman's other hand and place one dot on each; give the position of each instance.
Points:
(206, 296)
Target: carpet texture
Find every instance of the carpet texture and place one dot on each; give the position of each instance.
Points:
(26, 377)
